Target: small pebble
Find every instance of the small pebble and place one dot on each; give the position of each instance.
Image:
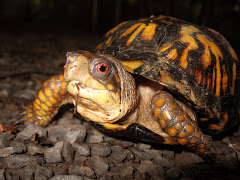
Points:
(143, 146)
(127, 171)
(66, 177)
(32, 130)
(118, 153)
(144, 166)
(99, 165)
(67, 153)
(100, 150)
(186, 159)
(35, 149)
(81, 171)
(5, 140)
(81, 149)
(53, 155)
(43, 171)
(162, 161)
(95, 139)
(173, 172)
(140, 154)
(20, 160)
(76, 136)
(79, 159)
(2, 174)
(58, 145)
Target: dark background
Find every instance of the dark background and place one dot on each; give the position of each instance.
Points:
(98, 16)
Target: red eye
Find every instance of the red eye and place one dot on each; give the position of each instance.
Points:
(102, 68)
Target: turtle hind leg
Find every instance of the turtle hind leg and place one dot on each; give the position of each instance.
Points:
(179, 125)
(47, 101)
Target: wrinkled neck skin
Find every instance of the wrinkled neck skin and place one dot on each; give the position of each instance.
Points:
(129, 93)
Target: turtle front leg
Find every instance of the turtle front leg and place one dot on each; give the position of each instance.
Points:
(178, 124)
(47, 101)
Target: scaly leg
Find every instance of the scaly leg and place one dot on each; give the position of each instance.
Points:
(179, 125)
(47, 101)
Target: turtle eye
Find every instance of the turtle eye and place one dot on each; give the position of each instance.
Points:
(102, 68)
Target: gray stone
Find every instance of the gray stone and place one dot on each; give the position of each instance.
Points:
(7, 151)
(59, 169)
(127, 171)
(140, 154)
(162, 161)
(109, 139)
(81, 171)
(32, 130)
(66, 177)
(25, 94)
(220, 148)
(167, 154)
(186, 159)
(19, 147)
(58, 145)
(2, 174)
(76, 136)
(52, 139)
(67, 153)
(41, 178)
(79, 159)
(144, 166)
(15, 177)
(81, 149)
(35, 149)
(5, 140)
(95, 139)
(43, 171)
(59, 131)
(100, 150)
(99, 165)
(143, 146)
(28, 176)
(106, 177)
(20, 160)
(118, 153)
(130, 155)
(53, 155)
(173, 172)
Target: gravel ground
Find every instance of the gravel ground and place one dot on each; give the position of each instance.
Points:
(71, 148)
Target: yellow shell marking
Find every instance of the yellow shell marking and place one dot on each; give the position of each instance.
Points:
(134, 35)
(129, 30)
(187, 38)
(217, 53)
(234, 71)
(221, 124)
(149, 32)
(115, 28)
(109, 40)
(224, 78)
(131, 65)
(166, 46)
(233, 54)
(173, 54)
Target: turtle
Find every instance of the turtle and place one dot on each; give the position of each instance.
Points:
(158, 79)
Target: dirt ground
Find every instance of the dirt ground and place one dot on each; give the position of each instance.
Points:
(26, 60)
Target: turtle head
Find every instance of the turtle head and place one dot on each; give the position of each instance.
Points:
(101, 89)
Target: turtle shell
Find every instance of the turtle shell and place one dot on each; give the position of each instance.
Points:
(194, 62)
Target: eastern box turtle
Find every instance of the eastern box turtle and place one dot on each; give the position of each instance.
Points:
(159, 78)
